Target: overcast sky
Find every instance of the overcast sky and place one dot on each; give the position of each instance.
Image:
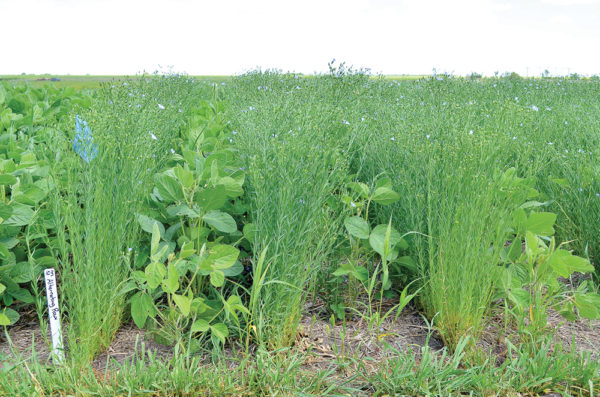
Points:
(233, 36)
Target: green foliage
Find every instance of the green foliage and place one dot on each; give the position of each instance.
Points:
(28, 119)
(529, 281)
(97, 198)
(379, 246)
(293, 156)
(194, 232)
(178, 298)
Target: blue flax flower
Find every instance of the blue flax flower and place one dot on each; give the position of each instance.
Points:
(83, 144)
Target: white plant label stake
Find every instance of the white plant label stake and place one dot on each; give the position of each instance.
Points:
(54, 314)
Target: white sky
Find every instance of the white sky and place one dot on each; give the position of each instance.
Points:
(233, 36)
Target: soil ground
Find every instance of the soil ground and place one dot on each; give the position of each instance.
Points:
(323, 342)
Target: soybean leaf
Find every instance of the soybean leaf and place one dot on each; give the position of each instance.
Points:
(138, 311)
(7, 179)
(211, 198)
(184, 175)
(520, 297)
(155, 272)
(169, 188)
(148, 223)
(183, 303)
(234, 270)
(217, 278)
(359, 188)
(182, 210)
(22, 215)
(171, 283)
(5, 211)
(377, 239)
(187, 250)
(249, 232)
(232, 187)
(588, 305)
(541, 223)
(220, 331)
(221, 221)
(10, 315)
(564, 263)
(357, 227)
(385, 195)
(200, 325)
(222, 256)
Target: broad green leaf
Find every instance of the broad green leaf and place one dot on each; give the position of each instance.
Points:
(578, 264)
(531, 243)
(155, 238)
(385, 195)
(221, 221)
(138, 311)
(217, 278)
(183, 303)
(235, 303)
(4, 319)
(220, 331)
(588, 305)
(515, 250)
(12, 315)
(171, 284)
(31, 196)
(7, 179)
(408, 263)
(234, 270)
(182, 210)
(344, 269)
(222, 256)
(359, 188)
(169, 188)
(357, 227)
(22, 295)
(2, 288)
(567, 311)
(564, 263)
(185, 176)
(520, 221)
(383, 182)
(211, 198)
(561, 181)
(11, 242)
(361, 273)
(533, 204)
(3, 251)
(200, 325)
(21, 272)
(249, 232)
(5, 211)
(541, 223)
(377, 239)
(155, 272)
(147, 224)
(187, 250)
(232, 187)
(22, 215)
(520, 297)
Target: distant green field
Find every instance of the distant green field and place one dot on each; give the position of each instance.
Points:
(93, 81)
(81, 81)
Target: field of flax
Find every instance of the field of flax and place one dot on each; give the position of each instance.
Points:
(213, 214)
